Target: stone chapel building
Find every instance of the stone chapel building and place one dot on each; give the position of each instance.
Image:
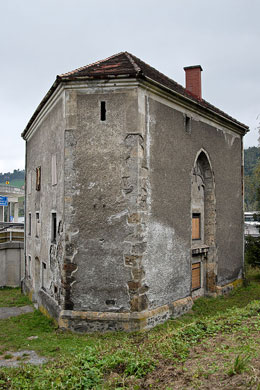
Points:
(134, 197)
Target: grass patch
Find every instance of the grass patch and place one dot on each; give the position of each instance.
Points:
(8, 356)
(10, 297)
(216, 341)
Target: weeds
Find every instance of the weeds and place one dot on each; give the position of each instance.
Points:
(240, 365)
(120, 360)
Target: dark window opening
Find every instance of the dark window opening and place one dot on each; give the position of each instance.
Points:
(196, 226)
(103, 111)
(53, 227)
(110, 302)
(37, 230)
(187, 124)
(29, 267)
(43, 275)
(29, 224)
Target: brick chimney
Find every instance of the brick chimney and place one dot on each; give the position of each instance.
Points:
(193, 80)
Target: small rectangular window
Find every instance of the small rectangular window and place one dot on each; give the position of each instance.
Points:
(53, 170)
(29, 224)
(196, 276)
(38, 178)
(187, 124)
(29, 267)
(38, 224)
(103, 111)
(44, 271)
(196, 226)
(53, 227)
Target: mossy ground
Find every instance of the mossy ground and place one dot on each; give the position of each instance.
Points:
(216, 345)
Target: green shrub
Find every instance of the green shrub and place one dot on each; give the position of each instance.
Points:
(252, 251)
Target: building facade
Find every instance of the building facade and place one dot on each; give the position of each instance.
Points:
(134, 197)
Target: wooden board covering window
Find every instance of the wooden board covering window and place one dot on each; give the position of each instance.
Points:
(195, 226)
(38, 178)
(195, 273)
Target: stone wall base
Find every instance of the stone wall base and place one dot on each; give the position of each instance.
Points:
(86, 321)
(89, 321)
(227, 288)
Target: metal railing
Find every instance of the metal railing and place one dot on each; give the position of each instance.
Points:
(11, 236)
(14, 225)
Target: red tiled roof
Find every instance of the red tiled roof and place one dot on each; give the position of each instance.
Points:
(125, 64)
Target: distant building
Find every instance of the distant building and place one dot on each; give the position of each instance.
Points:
(11, 237)
(252, 223)
(134, 200)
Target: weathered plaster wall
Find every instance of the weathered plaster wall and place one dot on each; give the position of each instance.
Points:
(101, 176)
(173, 151)
(47, 140)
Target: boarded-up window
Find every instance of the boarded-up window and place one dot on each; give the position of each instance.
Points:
(195, 273)
(38, 178)
(53, 170)
(195, 226)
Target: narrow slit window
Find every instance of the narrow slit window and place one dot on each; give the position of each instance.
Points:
(43, 275)
(196, 226)
(53, 227)
(29, 224)
(103, 111)
(187, 124)
(29, 266)
(38, 224)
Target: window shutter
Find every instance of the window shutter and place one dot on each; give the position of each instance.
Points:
(195, 273)
(196, 226)
(38, 178)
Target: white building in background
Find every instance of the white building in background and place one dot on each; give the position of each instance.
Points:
(252, 223)
(9, 197)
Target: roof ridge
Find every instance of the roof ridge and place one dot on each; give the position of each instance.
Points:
(87, 66)
(128, 65)
(131, 59)
(157, 71)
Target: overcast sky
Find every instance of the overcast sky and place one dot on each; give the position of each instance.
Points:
(40, 39)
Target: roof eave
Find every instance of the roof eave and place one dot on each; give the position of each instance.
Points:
(242, 127)
(40, 106)
(65, 79)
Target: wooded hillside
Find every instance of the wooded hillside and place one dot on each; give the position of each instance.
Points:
(252, 178)
(15, 178)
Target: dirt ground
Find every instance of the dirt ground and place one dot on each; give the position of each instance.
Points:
(14, 359)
